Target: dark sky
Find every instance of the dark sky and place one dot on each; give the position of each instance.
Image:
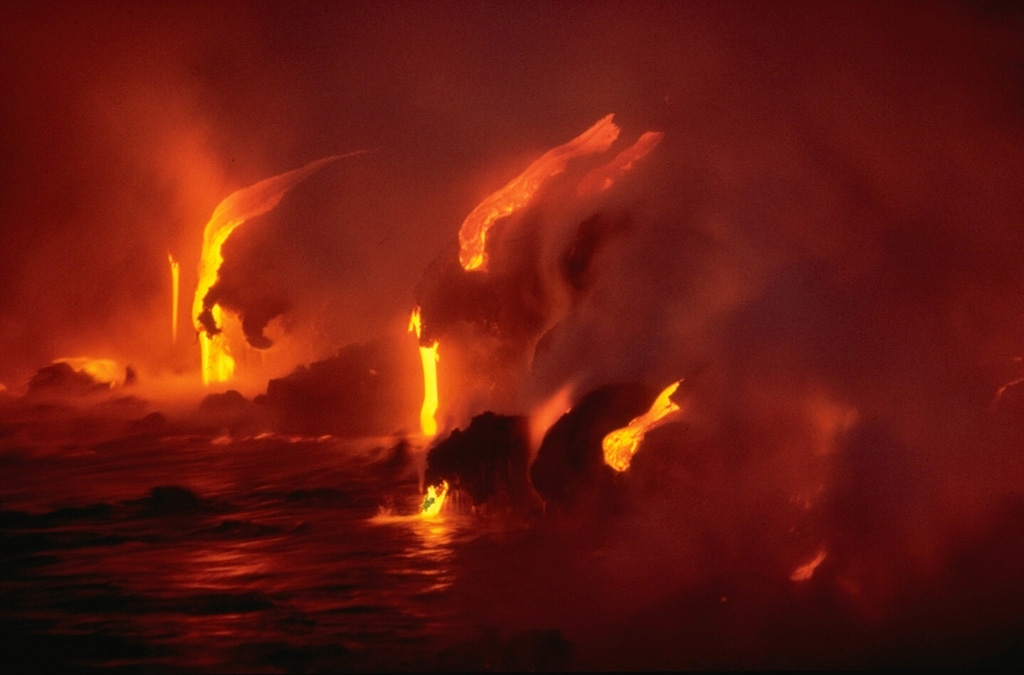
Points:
(792, 135)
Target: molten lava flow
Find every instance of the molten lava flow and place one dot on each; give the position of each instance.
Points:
(620, 445)
(175, 277)
(255, 200)
(434, 500)
(806, 571)
(519, 192)
(429, 357)
(101, 370)
(604, 177)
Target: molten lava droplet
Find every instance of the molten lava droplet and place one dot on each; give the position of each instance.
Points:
(518, 193)
(175, 278)
(434, 500)
(429, 358)
(620, 445)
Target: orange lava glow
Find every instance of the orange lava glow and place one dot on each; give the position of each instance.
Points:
(604, 177)
(518, 193)
(806, 571)
(434, 500)
(175, 278)
(217, 363)
(620, 445)
(429, 358)
(102, 370)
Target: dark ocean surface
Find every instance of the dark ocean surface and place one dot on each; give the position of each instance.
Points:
(188, 552)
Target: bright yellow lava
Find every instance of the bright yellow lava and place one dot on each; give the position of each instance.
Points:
(175, 278)
(620, 445)
(434, 500)
(241, 205)
(519, 192)
(429, 357)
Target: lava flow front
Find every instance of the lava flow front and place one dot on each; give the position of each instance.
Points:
(518, 193)
(620, 445)
(217, 363)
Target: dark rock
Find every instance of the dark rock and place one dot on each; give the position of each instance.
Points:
(170, 500)
(361, 391)
(60, 379)
(569, 468)
(487, 461)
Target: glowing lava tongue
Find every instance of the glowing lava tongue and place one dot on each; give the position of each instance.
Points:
(620, 445)
(429, 357)
(255, 200)
(519, 192)
(175, 277)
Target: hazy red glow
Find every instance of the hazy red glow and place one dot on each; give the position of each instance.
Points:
(819, 224)
(806, 571)
(605, 176)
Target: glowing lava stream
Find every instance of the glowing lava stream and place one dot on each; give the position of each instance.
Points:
(429, 357)
(255, 200)
(620, 445)
(175, 278)
(434, 500)
(519, 192)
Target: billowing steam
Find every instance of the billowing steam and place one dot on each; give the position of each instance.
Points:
(809, 214)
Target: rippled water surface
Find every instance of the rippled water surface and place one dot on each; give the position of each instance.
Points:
(201, 553)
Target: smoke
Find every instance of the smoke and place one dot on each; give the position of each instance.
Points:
(825, 243)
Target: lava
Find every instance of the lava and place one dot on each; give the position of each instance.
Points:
(217, 363)
(620, 445)
(604, 177)
(175, 278)
(429, 357)
(521, 190)
(434, 500)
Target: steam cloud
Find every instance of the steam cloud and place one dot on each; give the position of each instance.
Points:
(826, 243)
